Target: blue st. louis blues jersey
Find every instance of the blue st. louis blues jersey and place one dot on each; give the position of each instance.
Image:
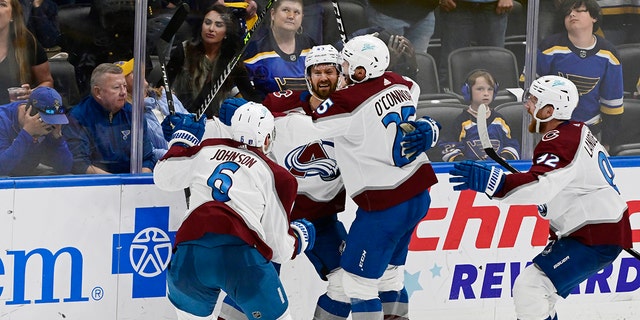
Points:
(463, 141)
(272, 70)
(596, 72)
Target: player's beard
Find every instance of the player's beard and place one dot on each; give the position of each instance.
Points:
(325, 91)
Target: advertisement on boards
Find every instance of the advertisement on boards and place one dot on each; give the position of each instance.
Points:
(98, 248)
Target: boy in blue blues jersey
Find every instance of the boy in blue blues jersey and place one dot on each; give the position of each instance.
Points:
(462, 142)
(590, 62)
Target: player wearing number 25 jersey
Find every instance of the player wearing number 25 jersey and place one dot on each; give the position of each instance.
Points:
(390, 189)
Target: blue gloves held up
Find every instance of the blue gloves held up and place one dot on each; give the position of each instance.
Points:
(305, 232)
(228, 108)
(420, 136)
(477, 176)
(183, 129)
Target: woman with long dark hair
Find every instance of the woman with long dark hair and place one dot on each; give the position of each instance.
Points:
(205, 57)
(23, 60)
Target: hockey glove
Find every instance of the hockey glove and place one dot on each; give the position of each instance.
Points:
(228, 108)
(305, 233)
(420, 136)
(187, 131)
(477, 176)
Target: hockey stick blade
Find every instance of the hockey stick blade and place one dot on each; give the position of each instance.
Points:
(210, 89)
(483, 132)
(488, 148)
(178, 18)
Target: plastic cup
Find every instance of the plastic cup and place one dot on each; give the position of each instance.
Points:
(15, 92)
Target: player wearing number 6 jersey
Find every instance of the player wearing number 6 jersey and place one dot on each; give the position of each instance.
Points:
(571, 175)
(388, 185)
(238, 220)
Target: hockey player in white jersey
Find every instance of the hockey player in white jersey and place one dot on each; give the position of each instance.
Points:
(239, 219)
(397, 196)
(311, 160)
(571, 175)
(388, 183)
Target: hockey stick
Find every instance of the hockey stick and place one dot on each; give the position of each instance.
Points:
(483, 132)
(164, 49)
(210, 89)
(166, 39)
(338, 13)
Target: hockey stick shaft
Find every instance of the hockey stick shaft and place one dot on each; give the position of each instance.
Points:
(210, 89)
(483, 132)
(338, 13)
(178, 18)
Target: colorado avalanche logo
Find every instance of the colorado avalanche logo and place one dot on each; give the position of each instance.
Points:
(312, 160)
(551, 135)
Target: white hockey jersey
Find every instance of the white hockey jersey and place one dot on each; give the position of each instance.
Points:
(234, 190)
(306, 156)
(363, 120)
(572, 175)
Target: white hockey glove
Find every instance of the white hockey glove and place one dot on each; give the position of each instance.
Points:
(477, 176)
(305, 233)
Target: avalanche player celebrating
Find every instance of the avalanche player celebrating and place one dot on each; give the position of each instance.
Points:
(239, 217)
(388, 181)
(572, 176)
(311, 160)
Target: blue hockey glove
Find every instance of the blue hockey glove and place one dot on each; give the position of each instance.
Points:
(477, 176)
(420, 136)
(228, 108)
(305, 232)
(168, 124)
(187, 131)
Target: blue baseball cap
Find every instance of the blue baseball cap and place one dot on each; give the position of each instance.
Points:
(49, 104)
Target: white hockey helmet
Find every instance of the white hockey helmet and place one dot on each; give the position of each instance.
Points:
(251, 124)
(556, 91)
(323, 54)
(366, 51)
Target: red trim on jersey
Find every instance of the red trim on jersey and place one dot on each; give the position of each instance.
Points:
(217, 217)
(374, 200)
(618, 233)
(313, 210)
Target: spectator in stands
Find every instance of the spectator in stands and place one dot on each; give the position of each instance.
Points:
(31, 140)
(470, 22)
(156, 108)
(99, 130)
(462, 141)
(275, 59)
(203, 59)
(590, 62)
(413, 19)
(23, 60)
(42, 20)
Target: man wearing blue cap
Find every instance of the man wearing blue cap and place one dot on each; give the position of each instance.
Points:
(31, 140)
